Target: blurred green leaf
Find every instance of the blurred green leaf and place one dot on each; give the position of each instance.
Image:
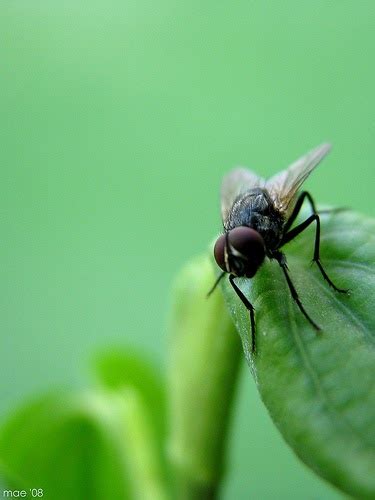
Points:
(81, 446)
(319, 389)
(204, 359)
(117, 369)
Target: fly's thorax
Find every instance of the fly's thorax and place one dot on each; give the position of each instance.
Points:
(270, 227)
(255, 209)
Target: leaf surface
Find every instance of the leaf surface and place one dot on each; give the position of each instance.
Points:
(319, 388)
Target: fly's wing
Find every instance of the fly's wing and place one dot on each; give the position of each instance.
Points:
(237, 181)
(283, 187)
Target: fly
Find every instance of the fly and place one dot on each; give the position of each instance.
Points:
(257, 216)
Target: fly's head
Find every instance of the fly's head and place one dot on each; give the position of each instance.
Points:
(240, 251)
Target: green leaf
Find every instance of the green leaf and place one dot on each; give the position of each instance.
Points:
(92, 445)
(319, 388)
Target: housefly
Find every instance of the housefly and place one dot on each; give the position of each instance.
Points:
(258, 216)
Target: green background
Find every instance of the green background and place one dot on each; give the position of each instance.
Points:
(118, 121)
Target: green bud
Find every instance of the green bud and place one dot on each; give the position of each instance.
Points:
(205, 354)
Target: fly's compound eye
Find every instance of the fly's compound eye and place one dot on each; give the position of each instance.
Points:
(245, 252)
(219, 252)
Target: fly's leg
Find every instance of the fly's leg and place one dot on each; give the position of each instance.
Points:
(249, 307)
(216, 283)
(336, 210)
(291, 234)
(280, 257)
